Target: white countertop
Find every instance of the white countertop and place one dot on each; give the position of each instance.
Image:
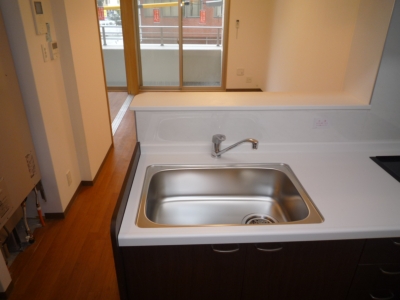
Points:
(356, 197)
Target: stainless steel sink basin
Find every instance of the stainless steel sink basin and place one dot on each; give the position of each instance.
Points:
(241, 194)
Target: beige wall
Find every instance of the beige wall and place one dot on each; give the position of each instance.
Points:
(65, 99)
(83, 72)
(364, 56)
(308, 46)
(247, 45)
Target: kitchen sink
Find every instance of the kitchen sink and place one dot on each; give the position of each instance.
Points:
(224, 195)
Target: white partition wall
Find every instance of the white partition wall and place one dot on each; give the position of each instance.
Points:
(65, 98)
(309, 46)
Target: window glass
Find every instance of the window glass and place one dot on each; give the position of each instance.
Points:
(218, 12)
(166, 59)
(112, 42)
(192, 10)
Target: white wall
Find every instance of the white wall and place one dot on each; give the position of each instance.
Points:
(310, 45)
(386, 96)
(81, 60)
(66, 107)
(381, 123)
(307, 46)
(370, 31)
(46, 105)
(247, 46)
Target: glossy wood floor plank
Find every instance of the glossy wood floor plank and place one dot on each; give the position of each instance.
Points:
(72, 258)
(115, 101)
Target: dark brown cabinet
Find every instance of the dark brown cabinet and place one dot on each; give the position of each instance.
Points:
(378, 273)
(381, 251)
(301, 270)
(298, 270)
(323, 270)
(184, 272)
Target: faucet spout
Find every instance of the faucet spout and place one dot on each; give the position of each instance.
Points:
(217, 139)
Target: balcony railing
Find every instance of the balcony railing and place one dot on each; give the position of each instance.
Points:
(204, 35)
(110, 33)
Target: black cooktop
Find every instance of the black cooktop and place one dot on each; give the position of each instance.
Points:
(390, 164)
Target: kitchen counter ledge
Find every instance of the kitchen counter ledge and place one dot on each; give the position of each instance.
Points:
(241, 101)
(356, 197)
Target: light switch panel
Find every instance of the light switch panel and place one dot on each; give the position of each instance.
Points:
(45, 53)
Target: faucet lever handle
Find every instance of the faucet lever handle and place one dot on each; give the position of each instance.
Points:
(218, 138)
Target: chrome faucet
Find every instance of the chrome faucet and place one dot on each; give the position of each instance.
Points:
(217, 139)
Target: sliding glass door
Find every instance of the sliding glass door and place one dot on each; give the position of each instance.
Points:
(181, 44)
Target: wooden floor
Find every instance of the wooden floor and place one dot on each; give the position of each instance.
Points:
(115, 101)
(72, 258)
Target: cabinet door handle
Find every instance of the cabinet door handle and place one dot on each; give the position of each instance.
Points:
(226, 251)
(268, 249)
(388, 297)
(389, 272)
(396, 242)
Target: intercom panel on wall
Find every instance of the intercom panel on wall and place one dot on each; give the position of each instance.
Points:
(39, 17)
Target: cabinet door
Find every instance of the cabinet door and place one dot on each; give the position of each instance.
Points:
(381, 251)
(301, 270)
(374, 295)
(378, 274)
(377, 277)
(184, 272)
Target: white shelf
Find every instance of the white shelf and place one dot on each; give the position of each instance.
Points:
(155, 101)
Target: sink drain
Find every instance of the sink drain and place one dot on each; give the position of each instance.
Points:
(257, 219)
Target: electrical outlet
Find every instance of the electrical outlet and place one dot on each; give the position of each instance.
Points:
(320, 123)
(69, 177)
(45, 53)
(240, 72)
(249, 80)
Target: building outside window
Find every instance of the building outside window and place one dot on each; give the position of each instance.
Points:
(218, 12)
(192, 10)
(171, 11)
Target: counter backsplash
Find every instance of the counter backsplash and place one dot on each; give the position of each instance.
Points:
(269, 127)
